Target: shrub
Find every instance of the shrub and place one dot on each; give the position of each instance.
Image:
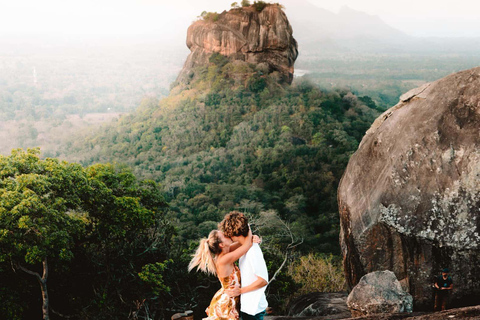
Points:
(259, 5)
(318, 273)
(218, 59)
(256, 84)
(209, 16)
(245, 3)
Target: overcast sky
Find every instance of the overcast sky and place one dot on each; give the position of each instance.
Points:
(452, 18)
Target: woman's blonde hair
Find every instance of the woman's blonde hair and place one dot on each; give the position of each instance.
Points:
(205, 256)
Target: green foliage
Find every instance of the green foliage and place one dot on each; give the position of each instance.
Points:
(259, 5)
(218, 60)
(101, 229)
(235, 5)
(210, 16)
(236, 139)
(246, 3)
(11, 307)
(37, 207)
(318, 273)
(153, 275)
(257, 84)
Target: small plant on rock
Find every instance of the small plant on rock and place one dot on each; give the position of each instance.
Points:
(259, 5)
(209, 16)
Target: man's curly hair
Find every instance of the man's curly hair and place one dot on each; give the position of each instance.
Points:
(234, 224)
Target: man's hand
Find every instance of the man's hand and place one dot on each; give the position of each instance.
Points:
(233, 291)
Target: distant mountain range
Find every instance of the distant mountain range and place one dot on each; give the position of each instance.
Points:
(320, 31)
(312, 22)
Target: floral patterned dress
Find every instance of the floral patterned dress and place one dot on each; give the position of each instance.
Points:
(222, 306)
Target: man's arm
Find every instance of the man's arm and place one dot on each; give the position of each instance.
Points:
(237, 290)
(450, 287)
(257, 284)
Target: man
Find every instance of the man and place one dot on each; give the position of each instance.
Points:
(253, 269)
(443, 284)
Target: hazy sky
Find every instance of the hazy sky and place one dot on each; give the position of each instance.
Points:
(453, 18)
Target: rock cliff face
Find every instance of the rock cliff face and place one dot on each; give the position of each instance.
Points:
(244, 34)
(409, 199)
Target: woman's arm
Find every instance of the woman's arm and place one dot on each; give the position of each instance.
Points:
(233, 256)
(236, 245)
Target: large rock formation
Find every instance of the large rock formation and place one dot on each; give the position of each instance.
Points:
(243, 34)
(409, 199)
(379, 292)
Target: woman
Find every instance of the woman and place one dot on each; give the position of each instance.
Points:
(216, 255)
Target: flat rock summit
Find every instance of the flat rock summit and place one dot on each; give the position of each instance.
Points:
(243, 34)
(409, 199)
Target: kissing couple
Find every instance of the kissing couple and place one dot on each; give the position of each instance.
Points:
(217, 255)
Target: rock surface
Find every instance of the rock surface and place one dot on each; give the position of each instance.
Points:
(409, 199)
(244, 34)
(468, 313)
(378, 292)
(319, 304)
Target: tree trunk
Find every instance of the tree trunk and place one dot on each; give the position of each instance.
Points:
(43, 286)
(45, 306)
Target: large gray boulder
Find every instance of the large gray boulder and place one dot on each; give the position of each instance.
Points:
(379, 292)
(409, 199)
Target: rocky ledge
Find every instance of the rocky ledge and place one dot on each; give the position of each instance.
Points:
(243, 34)
(468, 313)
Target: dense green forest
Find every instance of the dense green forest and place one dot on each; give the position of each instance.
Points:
(383, 77)
(235, 139)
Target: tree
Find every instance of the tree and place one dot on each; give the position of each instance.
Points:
(52, 211)
(127, 232)
(245, 3)
(39, 213)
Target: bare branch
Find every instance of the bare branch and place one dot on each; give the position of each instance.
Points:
(33, 273)
(270, 219)
(62, 315)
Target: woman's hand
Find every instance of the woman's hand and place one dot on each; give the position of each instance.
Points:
(257, 239)
(250, 235)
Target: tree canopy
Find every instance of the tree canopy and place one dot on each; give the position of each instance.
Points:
(98, 225)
